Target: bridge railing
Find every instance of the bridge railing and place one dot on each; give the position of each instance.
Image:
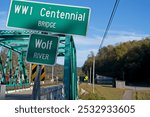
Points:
(52, 93)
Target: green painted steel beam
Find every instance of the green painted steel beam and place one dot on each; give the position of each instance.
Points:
(11, 37)
(10, 66)
(62, 39)
(3, 80)
(67, 69)
(16, 75)
(9, 47)
(13, 40)
(17, 32)
(61, 51)
(70, 73)
(22, 67)
(75, 72)
(72, 79)
(13, 43)
(61, 47)
(19, 46)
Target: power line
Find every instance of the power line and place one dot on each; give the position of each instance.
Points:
(109, 22)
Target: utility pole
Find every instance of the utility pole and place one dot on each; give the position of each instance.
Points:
(52, 73)
(93, 70)
(30, 72)
(90, 75)
(57, 79)
(123, 76)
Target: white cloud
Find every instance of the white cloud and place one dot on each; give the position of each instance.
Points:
(83, 54)
(112, 38)
(84, 45)
(87, 41)
(121, 36)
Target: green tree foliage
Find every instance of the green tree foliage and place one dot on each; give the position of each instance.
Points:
(128, 61)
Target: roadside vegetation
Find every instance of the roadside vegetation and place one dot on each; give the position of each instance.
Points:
(142, 95)
(101, 92)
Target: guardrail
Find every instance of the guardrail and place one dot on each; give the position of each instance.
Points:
(52, 93)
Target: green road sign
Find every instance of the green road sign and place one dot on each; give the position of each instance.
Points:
(48, 17)
(42, 49)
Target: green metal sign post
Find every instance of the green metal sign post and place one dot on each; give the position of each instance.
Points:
(42, 49)
(48, 17)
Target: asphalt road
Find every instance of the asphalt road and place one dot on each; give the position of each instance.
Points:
(128, 95)
(137, 88)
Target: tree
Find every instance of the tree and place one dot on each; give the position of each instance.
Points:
(129, 61)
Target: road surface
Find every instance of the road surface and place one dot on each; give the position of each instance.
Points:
(21, 95)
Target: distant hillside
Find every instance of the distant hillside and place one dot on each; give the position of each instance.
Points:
(59, 71)
(128, 61)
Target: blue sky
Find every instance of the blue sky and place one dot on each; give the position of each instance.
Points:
(131, 22)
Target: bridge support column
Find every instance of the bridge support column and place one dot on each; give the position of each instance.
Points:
(16, 75)
(23, 74)
(10, 67)
(3, 80)
(9, 64)
(70, 73)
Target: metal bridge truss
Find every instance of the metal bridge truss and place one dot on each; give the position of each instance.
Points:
(17, 41)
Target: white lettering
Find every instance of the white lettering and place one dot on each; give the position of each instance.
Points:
(47, 13)
(62, 15)
(47, 24)
(76, 16)
(41, 56)
(25, 9)
(38, 43)
(31, 8)
(43, 45)
(17, 8)
(41, 12)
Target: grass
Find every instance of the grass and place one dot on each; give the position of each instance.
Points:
(101, 92)
(142, 95)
